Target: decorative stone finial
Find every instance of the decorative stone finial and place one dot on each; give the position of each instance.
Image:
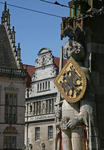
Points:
(13, 35)
(5, 6)
(5, 15)
(19, 52)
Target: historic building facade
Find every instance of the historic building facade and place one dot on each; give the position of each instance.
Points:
(85, 26)
(40, 125)
(12, 88)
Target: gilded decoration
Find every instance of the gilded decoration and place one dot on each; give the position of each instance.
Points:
(71, 81)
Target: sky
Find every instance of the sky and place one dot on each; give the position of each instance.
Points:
(35, 31)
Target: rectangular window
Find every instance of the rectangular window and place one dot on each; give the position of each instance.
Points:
(50, 132)
(53, 105)
(37, 87)
(48, 85)
(40, 86)
(9, 142)
(50, 106)
(39, 107)
(36, 108)
(30, 107)
(10, 108)
(43, 86)
(47, 106)
(37, 133)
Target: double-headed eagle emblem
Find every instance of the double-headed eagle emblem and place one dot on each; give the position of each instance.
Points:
(71, 81)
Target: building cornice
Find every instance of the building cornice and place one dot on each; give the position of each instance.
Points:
(41, 97)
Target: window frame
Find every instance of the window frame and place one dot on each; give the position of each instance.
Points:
(43, 86)
(8, 142)
(11, 108)
(37, 133)
(50, 132)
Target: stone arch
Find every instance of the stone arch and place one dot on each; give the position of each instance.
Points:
(10, 130)
(9, 138)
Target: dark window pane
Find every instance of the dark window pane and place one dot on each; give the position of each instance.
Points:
(50, 132)
(10, 142)
(37, 133)
(10, 108)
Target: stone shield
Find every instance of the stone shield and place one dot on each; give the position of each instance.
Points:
(71, 81)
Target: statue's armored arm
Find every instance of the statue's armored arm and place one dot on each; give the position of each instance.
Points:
(80, 119)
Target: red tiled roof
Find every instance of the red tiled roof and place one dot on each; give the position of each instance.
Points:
(30, 70)
(57, 61)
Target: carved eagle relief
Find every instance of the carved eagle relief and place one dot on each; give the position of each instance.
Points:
(71, 81)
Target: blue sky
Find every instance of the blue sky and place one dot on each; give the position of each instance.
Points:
(35, 31)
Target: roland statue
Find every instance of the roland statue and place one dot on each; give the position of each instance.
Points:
(76, 129)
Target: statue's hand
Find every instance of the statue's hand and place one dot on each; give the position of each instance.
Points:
(72, 123)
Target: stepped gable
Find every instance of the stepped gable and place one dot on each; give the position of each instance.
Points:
(9, 54)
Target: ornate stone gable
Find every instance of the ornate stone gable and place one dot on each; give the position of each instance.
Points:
(45, 67)
(44, 58)
(44, 74)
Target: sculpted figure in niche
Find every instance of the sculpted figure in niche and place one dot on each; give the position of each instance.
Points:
(77, 119)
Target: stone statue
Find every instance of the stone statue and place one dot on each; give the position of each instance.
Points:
(77, 119)
(93, 4)
(90, 2)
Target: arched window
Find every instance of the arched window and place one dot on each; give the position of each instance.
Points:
(43, 146)
(9, 140)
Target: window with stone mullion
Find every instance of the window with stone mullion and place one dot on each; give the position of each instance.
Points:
(10, 108)
(9, 142)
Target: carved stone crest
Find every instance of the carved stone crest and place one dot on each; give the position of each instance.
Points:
(71, 81)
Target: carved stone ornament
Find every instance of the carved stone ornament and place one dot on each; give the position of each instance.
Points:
(71, 81)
